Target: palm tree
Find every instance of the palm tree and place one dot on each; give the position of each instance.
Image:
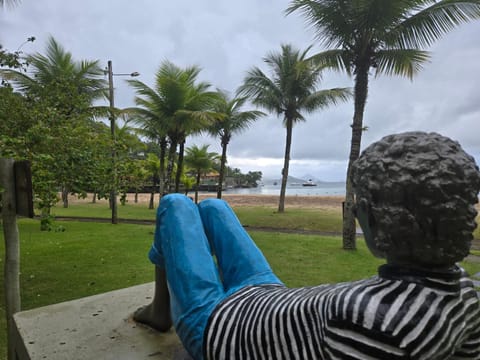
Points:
(291, 90)
(200, 160)
(233, 121)
(56, 78)
(387, 36)
(152, 122)
(182, 104)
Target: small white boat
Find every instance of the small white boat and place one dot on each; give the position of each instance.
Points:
(309, 183)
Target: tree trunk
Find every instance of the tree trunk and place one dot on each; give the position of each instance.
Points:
(222, 169)
(94, 200)
(361, 91)
(136, 196)
(197, 186)
(45, 220)
(163, 150)
(178, 176)
(151, 203)
(65, 197)
(170, 164)
(286, 163)
(12, 250)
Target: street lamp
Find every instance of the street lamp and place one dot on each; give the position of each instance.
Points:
(113, 192)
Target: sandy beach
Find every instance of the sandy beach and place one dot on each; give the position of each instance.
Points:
(235, 200)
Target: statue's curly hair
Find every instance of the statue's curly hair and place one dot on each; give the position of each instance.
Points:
(422, 188)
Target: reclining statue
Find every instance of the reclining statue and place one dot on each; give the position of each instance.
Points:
(415, 197)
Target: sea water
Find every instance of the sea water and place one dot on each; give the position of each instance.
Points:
(321, 189)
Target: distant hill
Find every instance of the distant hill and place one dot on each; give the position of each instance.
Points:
(292, 180)
(311, 177)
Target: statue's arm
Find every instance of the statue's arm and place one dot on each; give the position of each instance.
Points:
(346, 339)
(470, 349)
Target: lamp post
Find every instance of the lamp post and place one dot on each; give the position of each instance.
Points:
(113, 192)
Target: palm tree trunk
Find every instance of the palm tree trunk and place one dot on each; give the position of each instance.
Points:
(170, 163)
(178, 176)
(286, 163)
(223, 161)
(361, 92)
(163, 150)
(197, 186)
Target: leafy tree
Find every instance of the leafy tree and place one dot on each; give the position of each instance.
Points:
(14, 60)
(252, 178)
(201, 161)
(291, 90)
(130, 171)
(99, 177)
(14, 114)
(386, 36)
(233, 121)
(180, 103)
(58, 94)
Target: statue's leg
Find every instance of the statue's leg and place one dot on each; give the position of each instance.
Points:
(181, 248)
(157, 313)
(240, 261)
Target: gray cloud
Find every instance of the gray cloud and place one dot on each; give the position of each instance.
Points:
(226, 38)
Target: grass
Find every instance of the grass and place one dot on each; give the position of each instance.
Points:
(254, 216)
(91, 258)
(128, 211)
(86, 259)
(294, 219)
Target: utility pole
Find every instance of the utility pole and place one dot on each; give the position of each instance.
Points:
(113, 192)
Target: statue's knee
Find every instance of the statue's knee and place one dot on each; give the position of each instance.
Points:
(174, 201)
(212, 206)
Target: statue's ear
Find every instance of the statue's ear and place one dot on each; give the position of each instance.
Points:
(363, 205)
(361, 211)
(367, 222)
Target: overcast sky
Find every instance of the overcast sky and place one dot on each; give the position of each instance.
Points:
(226, 38)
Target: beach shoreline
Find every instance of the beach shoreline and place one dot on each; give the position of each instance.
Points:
(241, 200)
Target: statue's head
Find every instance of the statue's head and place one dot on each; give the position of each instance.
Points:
(415, 196)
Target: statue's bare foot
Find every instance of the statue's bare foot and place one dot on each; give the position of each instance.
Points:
(148, 315)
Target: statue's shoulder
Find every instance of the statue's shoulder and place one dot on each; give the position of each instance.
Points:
(399, 313)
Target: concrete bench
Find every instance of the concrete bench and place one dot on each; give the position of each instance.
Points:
(95, 327)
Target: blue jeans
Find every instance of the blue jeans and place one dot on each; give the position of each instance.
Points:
(186, 235)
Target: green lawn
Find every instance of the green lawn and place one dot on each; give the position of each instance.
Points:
(254, 216)
(101, 210)
(295, 219)
(90, 258)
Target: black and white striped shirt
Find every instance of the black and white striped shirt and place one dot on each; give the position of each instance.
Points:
(399, 314)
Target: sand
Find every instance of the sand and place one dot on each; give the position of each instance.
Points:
(312, 202)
